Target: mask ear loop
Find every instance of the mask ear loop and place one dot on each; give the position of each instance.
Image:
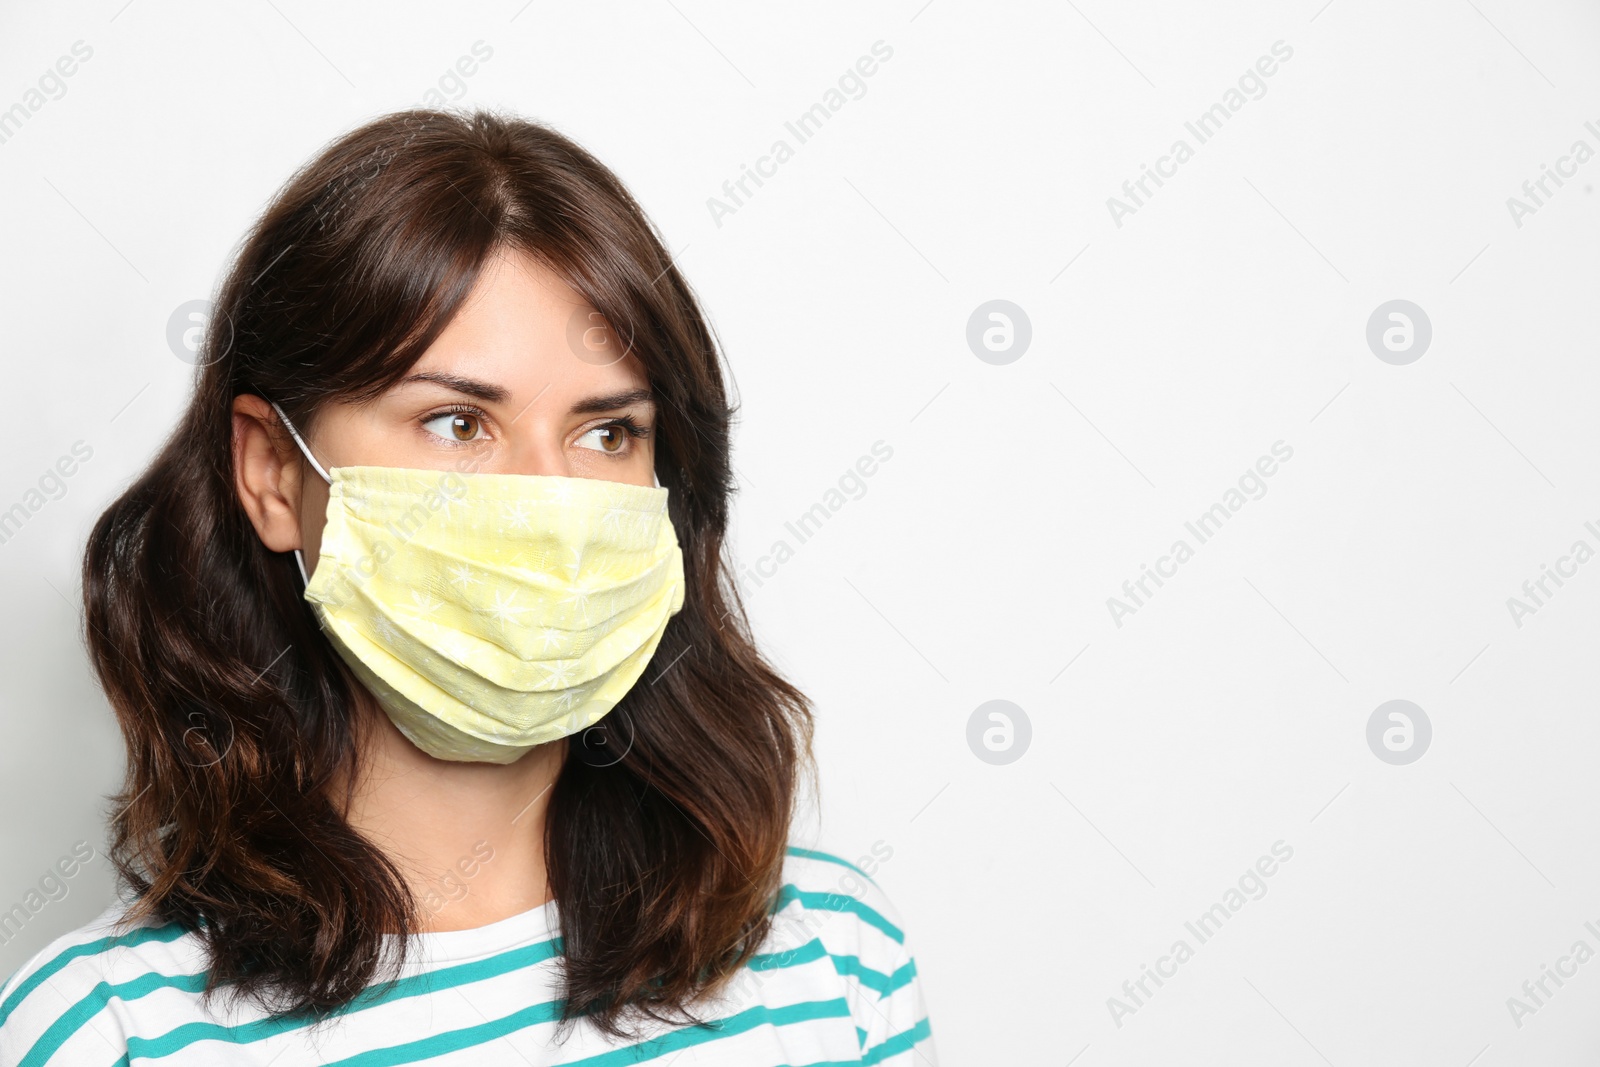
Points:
(287, 425)
(305, 450)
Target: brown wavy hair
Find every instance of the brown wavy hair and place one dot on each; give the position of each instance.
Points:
(239, 716)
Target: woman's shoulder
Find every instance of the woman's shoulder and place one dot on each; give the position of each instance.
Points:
(835, 900)
(819, 882)
(832, 914)
(44, 1005)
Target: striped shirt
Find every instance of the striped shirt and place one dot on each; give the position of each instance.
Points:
(834, 983)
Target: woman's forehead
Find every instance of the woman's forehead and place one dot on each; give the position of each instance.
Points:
(524, 327)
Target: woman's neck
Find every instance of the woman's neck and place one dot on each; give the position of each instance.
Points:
(469, 837)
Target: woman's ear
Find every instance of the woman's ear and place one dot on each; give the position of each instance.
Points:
(267, 473)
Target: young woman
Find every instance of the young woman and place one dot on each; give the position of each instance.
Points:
(447, 741)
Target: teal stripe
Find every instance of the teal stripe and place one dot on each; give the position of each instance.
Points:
(738, 1023)
(892, 1047)
(398, 989)
(827, 857)
(897, 1044)
(847, 966)
(771, 961)
(77, 1016)
(454, 1041)
(168, 933)
(880, 983)
(839, 902)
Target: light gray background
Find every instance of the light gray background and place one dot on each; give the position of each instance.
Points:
(1168, 353)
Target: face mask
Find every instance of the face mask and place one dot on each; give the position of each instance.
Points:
(489, 613)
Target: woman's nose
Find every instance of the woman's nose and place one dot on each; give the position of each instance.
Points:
(537, 455)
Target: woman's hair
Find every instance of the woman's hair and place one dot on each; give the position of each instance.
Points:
(239, 716)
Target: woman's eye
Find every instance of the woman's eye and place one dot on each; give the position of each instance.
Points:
(611, 439)
(456, 426)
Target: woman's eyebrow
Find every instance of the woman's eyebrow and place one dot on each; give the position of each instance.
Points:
(497, 394)
(611, 401)
(485, 391)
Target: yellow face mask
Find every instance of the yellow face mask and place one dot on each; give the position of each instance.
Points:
(489, 613)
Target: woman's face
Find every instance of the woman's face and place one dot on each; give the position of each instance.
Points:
(526, 379)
